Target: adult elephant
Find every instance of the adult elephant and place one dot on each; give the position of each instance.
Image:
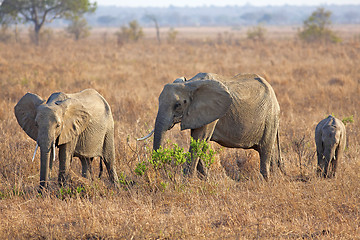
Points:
(237, 112)
(79, 124)
(330, 139)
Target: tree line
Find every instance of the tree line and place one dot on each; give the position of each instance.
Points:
(40, 12)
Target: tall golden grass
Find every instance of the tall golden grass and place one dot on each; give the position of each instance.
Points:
(310, 81)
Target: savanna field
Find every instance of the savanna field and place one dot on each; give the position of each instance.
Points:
(311, 81)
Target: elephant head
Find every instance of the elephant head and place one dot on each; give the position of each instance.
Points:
(58, 121)
(193, 104)
(330, 139)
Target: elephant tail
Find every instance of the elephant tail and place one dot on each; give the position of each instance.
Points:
(280, 162)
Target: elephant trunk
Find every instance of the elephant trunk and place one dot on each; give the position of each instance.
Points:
(160, 127)
(44, 167)
(47, 149)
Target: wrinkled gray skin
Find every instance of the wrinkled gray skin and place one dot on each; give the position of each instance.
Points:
(238, 112)
(330, 139)
(80, 124)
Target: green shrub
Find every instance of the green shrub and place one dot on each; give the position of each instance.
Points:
(132, 33)
(141, 168)
(256, 33)
(172, 34)
(203, 151)
(349, 119)
(316, 28)
(168, 161)
(78, 27)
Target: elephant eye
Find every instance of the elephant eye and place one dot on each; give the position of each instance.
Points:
(185, 101)
(177, 105)
(36, 124)
(58, 125)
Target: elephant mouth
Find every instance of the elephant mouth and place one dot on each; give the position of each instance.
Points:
(176, 120)
(172, 126)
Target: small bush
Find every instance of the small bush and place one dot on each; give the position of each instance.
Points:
(316, 28)
(172, 34)
(256, 33)
(5, 35)
(203, 151)
(349, 119)
(78, 27)
(132, 33)
(169, 161)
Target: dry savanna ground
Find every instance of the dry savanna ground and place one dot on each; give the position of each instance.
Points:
(311, 81)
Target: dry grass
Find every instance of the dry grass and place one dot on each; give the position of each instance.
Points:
(311, 81)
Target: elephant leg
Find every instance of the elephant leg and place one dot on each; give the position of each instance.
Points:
(66, 152)
(333, 165)
(326, 168)
(338, 155)
(202, 169)
(109, 158)
(204, 132)
(266, 149)
(86, 167)
(101, 169)
(265, 161)
(321, 164)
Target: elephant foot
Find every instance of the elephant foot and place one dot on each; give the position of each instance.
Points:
(63, 179)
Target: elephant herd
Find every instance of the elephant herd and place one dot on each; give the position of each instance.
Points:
(237, 112)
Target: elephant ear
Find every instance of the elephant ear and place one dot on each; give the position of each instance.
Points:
(210, 101)
(75, 119)
(25, 113)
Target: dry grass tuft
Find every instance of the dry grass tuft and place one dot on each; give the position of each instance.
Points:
(311, 81)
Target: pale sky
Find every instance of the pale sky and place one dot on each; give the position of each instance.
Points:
(194, 3)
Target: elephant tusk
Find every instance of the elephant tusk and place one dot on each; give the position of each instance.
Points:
(53, 151)
(146, 137)
(36, 148)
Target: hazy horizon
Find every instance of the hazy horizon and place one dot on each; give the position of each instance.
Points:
(200, 3)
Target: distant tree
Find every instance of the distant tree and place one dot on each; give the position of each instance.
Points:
(40, 11)
(133, 33)
(172, 34)
(106, 20)
(5, 35)
(78, 27)
(256, 33)
(316, 27)
(155, 20)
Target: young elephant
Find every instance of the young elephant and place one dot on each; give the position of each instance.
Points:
(237, 112)
(330, 138)
(79, 124)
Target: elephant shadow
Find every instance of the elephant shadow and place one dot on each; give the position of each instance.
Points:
(241, 165)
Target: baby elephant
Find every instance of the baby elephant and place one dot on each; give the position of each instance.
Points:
(330, 138)
(78, 124)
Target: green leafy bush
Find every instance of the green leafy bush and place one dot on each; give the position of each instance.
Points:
(78, 27)
(172, 34)
(133, 32)
(349, 119)
(168, 162)
(203, 151)
(256, 33)
(316, 28)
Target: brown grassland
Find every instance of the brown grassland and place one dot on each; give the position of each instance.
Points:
(311, 81)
